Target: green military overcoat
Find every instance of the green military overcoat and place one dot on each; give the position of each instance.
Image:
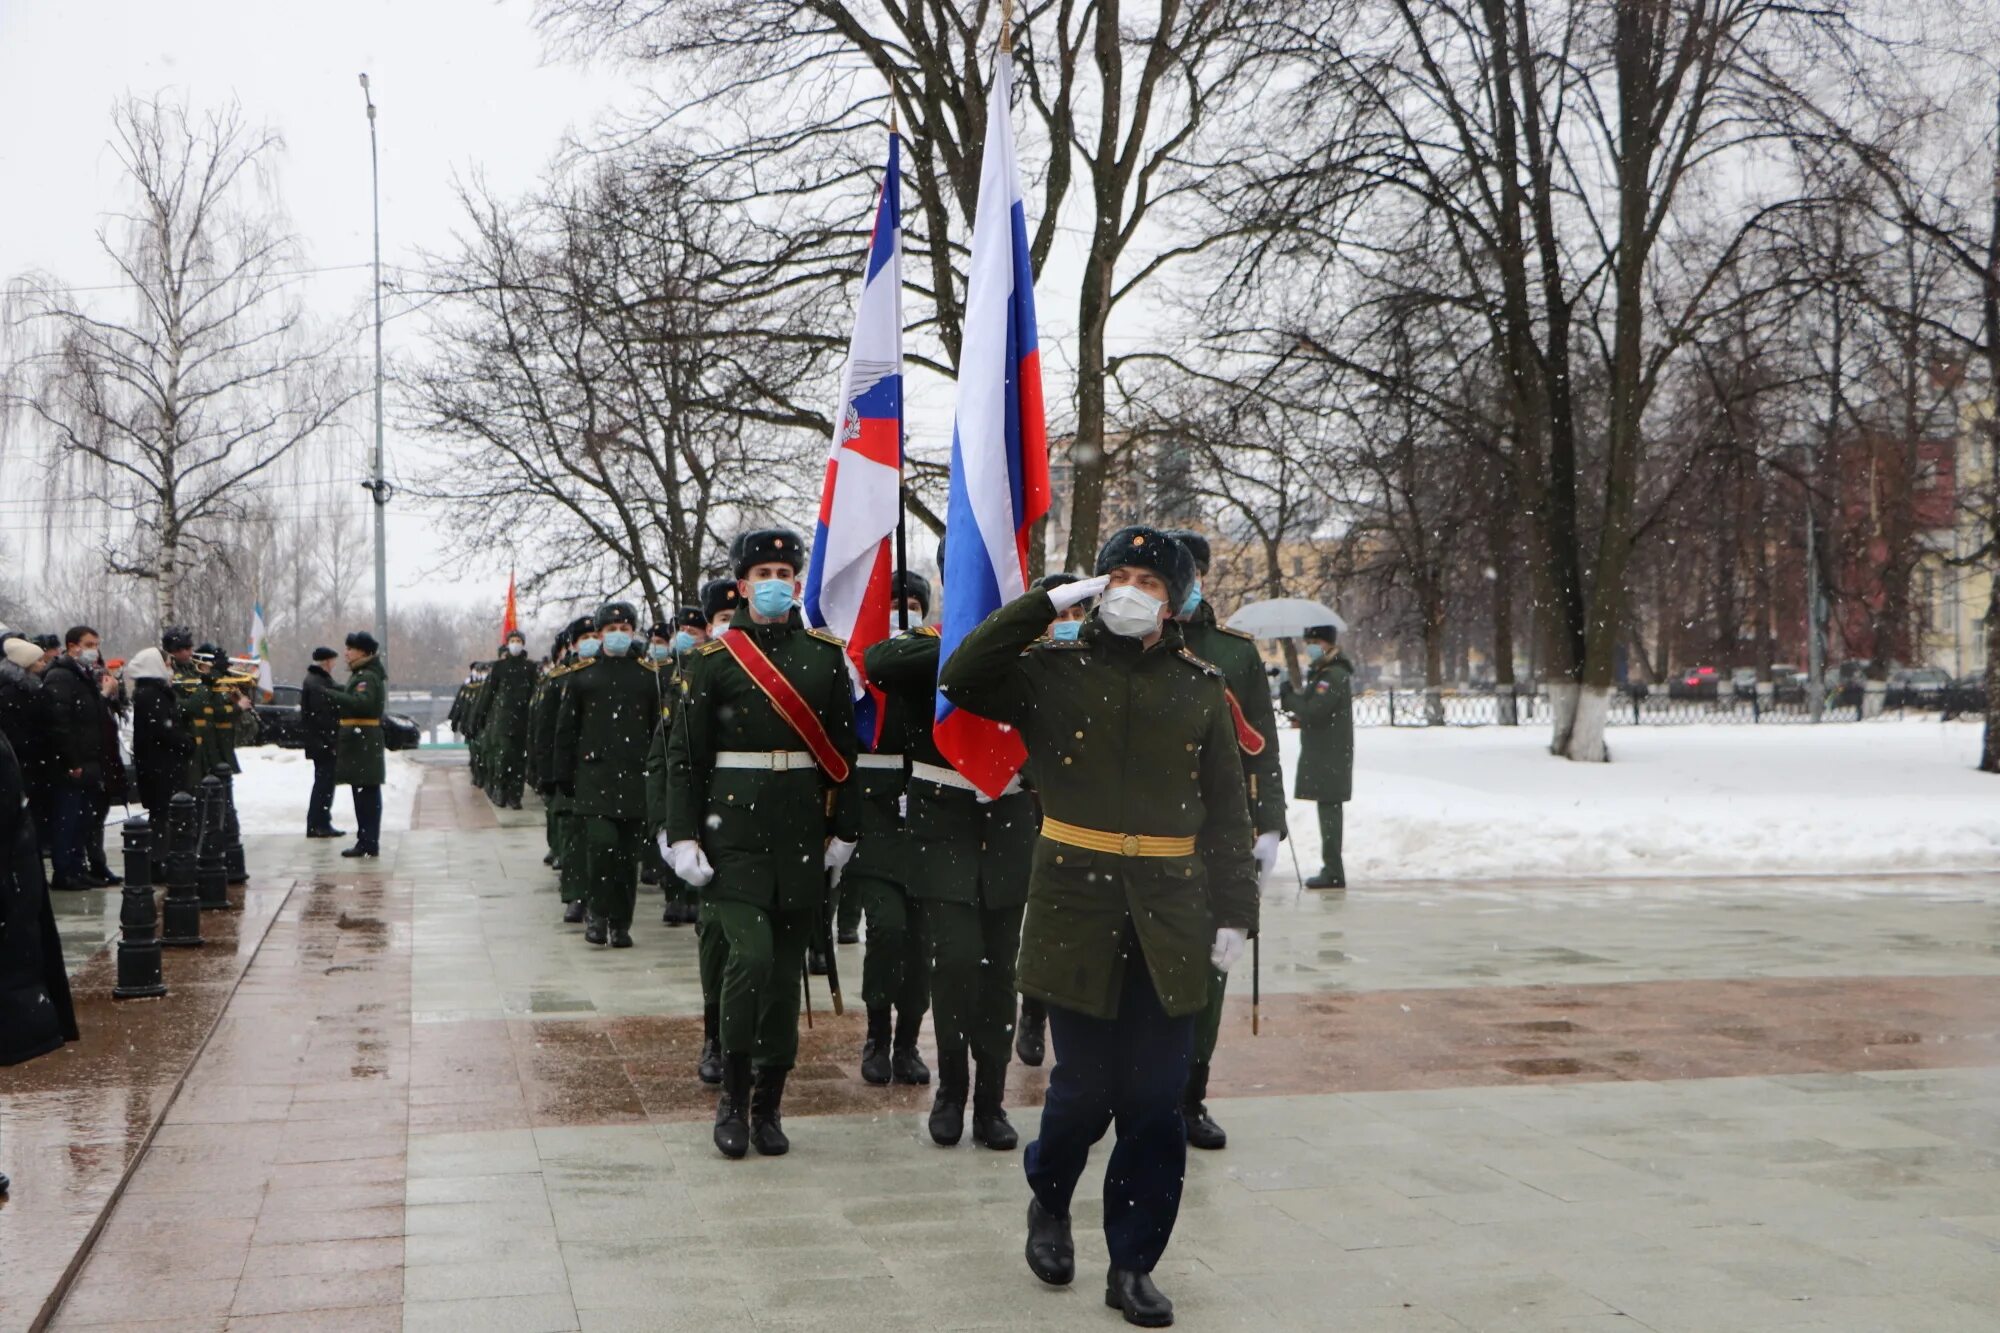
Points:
(1235, 653)
(1324, 707)
(1124, 740)
(358, 757)
(603, 725)
(503, 717)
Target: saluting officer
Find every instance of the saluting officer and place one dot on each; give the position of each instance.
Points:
(1235, 653)
(1142, 879)
(720, 599)
(759, 809)
(969, 877)
(887, 862)
(603, 726)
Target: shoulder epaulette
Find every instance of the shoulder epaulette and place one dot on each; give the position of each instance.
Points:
(712, 646)
(928, 631)
(1206, 667)
(650, 665)
(828, 636)
(1239, 633)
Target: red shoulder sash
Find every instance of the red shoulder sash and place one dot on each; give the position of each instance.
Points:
(1248, 737)
(784, 697)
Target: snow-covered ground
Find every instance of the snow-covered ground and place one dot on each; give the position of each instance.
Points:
(275, 785)
(1490, 803)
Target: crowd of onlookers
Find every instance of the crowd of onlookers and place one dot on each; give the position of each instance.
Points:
(61, 704)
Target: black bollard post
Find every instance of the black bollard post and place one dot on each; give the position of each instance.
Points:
(138, 920)
(211, 870)
(181, 927)
(232, 832)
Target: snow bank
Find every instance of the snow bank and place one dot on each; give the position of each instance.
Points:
(1457, 803)
(275, 785)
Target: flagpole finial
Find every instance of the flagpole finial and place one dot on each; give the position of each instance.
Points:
(1007, 26)
(892, 113)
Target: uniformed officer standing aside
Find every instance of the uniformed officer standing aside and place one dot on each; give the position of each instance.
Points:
(759, 809)
(603, 725)
(1235, 653)
(893, 971)
(1142, 880)
(359, 758)
(1325, 712)
(969, 880)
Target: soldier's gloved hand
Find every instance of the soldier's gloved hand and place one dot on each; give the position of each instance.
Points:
(1229, 945)
(1069, 594)
(838, 853)
(1265, 849)
(687, 861)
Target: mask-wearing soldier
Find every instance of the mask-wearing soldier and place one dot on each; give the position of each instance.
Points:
(720, 600)
(1325, 712)
(1031, 1032)
(1142, 881)
(878, 879)
(475, 727)
(969, 880)
(1235, 654)
(568, 860)
(759, 808)
(509, 689)
(461, 703)
(604, 724)
(670, 648)
(535, 765)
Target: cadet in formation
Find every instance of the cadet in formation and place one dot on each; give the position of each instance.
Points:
(1234, 653)
(969, 879)
(1142, 881)
(503, 721)
(610, 703)
(580, 644)
(474, 693)
(759, 808)
(1324, 708)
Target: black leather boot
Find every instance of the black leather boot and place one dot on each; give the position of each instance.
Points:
(875, 1066)
(709, 1069)
(1202, 1131)
(815, 959)
(732, 1125)
(594, 931)
(990, 1126)
(767, 1099)
(1134, 1293)
(621, 938)
(948, 1110)
(905, 1065)
(573, 912)
(1051, 1252)
(1028, 1033)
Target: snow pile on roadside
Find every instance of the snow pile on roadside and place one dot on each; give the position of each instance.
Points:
(1491, 803)
(275, 785)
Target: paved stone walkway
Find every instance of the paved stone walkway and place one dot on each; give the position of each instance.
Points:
(1757, 1105)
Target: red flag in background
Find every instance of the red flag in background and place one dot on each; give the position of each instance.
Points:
(509, 623)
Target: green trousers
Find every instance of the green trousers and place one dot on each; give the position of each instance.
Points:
(569, 856)
(892, 969)
(550, 827)
(1208, 1023)
(611, 849)
(1330, 813)
(711, 953)
(848, 902)
(760, 981)
(971, 952)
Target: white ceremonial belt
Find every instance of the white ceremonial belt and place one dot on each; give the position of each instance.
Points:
(894, 761)
(951, 777)
(778, 761)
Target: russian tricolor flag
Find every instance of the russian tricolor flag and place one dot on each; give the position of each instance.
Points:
(853, 555)
(999, 446)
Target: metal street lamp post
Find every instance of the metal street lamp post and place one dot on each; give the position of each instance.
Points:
(378, 486)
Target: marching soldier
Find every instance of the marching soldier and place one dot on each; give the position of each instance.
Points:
(969, 880)
(1325, 713)
(475, 735)
(609, 706)
(582, 634)
(503, 720)
(670, 648)
(758, 810)
(359, 760)
(877, 880)
(1142, 880)
(535, 766)
(1235, 653)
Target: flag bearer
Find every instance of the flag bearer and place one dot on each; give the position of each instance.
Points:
(603, 725)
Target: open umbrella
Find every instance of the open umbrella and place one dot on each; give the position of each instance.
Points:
(1284, 617)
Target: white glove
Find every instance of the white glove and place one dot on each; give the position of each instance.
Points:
(838, 853)
(688, 862)
(1069, 594)
(1229, 945)
(1265, 849)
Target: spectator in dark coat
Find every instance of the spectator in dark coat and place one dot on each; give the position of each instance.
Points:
(36, 1015)
(161, 743)
(24, 721)
(76, 746)
(320, 721)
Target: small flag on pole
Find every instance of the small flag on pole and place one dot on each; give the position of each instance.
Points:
(260, 651)
(853, 554)
(999, 446)
(509, 620)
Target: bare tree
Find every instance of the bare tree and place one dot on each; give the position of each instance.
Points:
(171, 413)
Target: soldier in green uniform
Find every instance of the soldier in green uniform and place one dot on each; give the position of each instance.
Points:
(669, 647)
(893, 972)
(1325, 712)
(1235, 653)
(503, 720)
(720, 599)
(461, 702)
(759, 807)
(610, 704)
(1142, 881)
(359, 756)
(193, 681)
(569, 867)
(475, 733)
(969, 883)
(535, 762)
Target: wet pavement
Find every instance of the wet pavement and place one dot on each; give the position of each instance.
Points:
(1722, 1105)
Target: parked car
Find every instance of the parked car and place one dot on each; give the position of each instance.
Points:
(280, 723)
(1694, 683)
(1920, 680)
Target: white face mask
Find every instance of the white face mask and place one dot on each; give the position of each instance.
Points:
(517, 648)
(1129, 611)
(88, 656)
